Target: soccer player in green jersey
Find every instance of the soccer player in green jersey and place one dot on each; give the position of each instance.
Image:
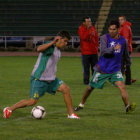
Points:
(43, 78)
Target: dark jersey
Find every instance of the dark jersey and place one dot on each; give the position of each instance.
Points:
(110, 60)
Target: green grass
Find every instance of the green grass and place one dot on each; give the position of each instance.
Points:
(103, 117)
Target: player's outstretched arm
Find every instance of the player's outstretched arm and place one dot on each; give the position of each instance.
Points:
(43, 47)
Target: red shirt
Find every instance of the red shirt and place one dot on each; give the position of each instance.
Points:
(125, 31)
(89, 40)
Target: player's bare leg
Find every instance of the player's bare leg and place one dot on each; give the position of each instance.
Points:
(68, 100)
(124, 94)
(86, 94)
(123, 91)
(23, 103)
(84, 98)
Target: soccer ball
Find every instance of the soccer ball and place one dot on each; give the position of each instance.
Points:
(38, 112)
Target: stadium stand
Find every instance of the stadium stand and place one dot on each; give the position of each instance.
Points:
(129, 8)
(44, 17)
(103, 15)
(47, 17)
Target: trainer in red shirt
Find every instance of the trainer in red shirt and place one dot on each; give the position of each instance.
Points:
(125, 31)
(89, 43)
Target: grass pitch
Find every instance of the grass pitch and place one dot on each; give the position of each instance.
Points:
(103, 117)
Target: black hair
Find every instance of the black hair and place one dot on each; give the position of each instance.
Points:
(64, 34)
(84, 18)
(114, 22)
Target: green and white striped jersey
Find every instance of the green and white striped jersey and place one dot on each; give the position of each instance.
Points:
(46, 65)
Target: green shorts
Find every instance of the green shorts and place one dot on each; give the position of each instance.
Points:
(98, 79)
(38, 88)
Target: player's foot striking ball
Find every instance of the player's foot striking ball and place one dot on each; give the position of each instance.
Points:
(43, 78)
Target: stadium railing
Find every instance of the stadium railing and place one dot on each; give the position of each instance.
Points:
(23, 41)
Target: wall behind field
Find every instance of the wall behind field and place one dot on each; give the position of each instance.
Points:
(44, 17)
(128, 8)
(47, 17)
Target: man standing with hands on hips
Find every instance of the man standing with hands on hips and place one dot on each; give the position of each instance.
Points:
(89, 43)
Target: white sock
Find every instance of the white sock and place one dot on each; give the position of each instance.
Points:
(81, 105)
(72, 114)
(127, 106)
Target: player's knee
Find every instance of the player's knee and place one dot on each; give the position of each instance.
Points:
(122, 87)
(64, 88)
(33, 101)
(89, 88)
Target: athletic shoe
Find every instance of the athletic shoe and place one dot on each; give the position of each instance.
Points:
(133, 80)
(73, 116)
(78, 108)
(6, 112)
(131, 108)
